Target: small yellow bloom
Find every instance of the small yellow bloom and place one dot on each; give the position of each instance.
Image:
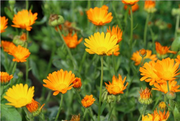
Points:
(5, 77)
(116, 31)
(148, 117)
(19, 95)
(4, 23)
(7, 46)
(24, 19)
(145, 96)
(129, 2)
(162, 105)
(87, 101)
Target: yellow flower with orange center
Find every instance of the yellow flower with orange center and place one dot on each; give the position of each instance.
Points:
(99, 16)
(59, 81)
(24, 19)
(7, 46)
(178, 59)
(72, 40)
(5, 77)
(134, 7)
(4, 23)
(77, 83)
(34, 106)
(117, 86)
(20, 53)
(116, 31)
(87, 101)
(162, 105)
(145, 96)
(101, 45)
(129, 2)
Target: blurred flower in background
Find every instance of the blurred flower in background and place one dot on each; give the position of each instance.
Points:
(5, 77)
(129, 2)
(4, 22)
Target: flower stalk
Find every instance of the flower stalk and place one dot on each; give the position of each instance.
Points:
(145, 30)
(59, 107)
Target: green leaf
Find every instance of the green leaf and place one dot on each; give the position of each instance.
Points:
(8, 12)
(176, 113)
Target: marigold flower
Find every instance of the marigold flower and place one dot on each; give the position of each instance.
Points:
(117, 85)
(77, 83)
(19, 95)
(75, 117)
(24, 19)
(134, 7)
(129, 2)
(20, 53)
(139, 58)
(98, 44)
(162, 105)
(7, 46)
(59, 81)
(99, 16)
(4, 23)
(5, 77)
(34, 106)
(23, 37)
(149, 4)
(87, 101)
(145, 96)
(72, 40)
(116, 31)
(148, 117)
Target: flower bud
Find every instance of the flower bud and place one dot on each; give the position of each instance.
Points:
(55, 20)
(171, 95)
(162, 105)
(77, 83)
(20, 74)
(20, 40)
(111, 98)
(145, 96)
(176, 43)
(175, 11)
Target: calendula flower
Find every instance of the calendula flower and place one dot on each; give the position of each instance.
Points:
(75, 117)
(5, 77)
(134, 7)
(129, 2)
(116, 31)
(4, 22)
(145, 96)
(23, 37)
(148, 117)
(178, 59)
(162, 105)
(19, 95)
(100, 44)
(87, 101)
(20, 53)
(59, 81)
(149, 6)
(20, 40)
(7, 46)
(99, 16)
(72, 40)
(24, 19)
(117, 86)
(141, 55)
(77, 83)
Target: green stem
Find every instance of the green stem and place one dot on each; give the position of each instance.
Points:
(145, 30)
(48, 96)
(131, 34)
(177, 25)
(85, 113)
(27, 69)
(101, 82)
(59, 107)
(29, 116)
(6, 62)
(83, 59)
(78, 96)
(153, 40)
(143, 111)
(114, 63)
(14, 68)
(27, 4)
(91, 113)
(111, 109)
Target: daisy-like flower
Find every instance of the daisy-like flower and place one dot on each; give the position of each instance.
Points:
(117, 86)
(59, 81)
(19, 95)
(178, 59)
(24, 19)
(77, 83)
(4, 23)
(72, 40)
(20, 53)
(100, 44)
(141, 55)
(116, 31)
(7, 46)
(5, 77)
(87, 101)
(135, 7)
(129, 2)
(145, 96)
(149, 6)
(99, 16)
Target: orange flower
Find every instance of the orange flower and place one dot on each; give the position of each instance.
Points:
(178, 59)
(24, 19)
(117, 85)
(20, 53)
(59, 81)
(145, 96)
(117, 32)
(139, 58)
(5, 77)
(135, 7)
(7, 46)
(75, 117)
(173, 87)
(23, 37)
(149, 4)
(99, 16)
(129, 2)
(87, 101)
(77, 83)
(34, 106)
(72, 40)
(4, 23)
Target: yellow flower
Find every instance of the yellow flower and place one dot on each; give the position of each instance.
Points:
(162, 105)
(178, 59)
(19, 95)
(5, 77)
(34, 106)
(117, 85)
(98, 44)
(99, 16)
(116, 31)
(129, 2)
(77, 83)
(72, 40)
(59, 81)
(145, 96)
(24, 19)
(7, 46)
(148, 117)
(3, 26)
(87, 101)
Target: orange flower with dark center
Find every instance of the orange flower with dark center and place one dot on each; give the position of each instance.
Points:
(116, 31)
(72, 40)
(5, 77)
(99, 16)
(145, 94)
(4, 23)
(77, 83)
(178, 59)
(117, 86)
(162, 50)
(34, 106)
(129, 2)
(87, 101)
(24, 19)
(134, 7)
(7, 46)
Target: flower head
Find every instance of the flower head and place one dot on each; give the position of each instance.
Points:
(75, 117)
(99, 16)
(162, 105)
(59, 81)
(87, 101)
(72, 40)
(3, 26)
(129, 2)
(19, 95)
(7, 46)
(178, 59)
(134, 7)
(145, 96)
(5, 77)
(77, 83)
(149, 6)
(117, 86)
(116, 31)
(100, 44)
(24, 19)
